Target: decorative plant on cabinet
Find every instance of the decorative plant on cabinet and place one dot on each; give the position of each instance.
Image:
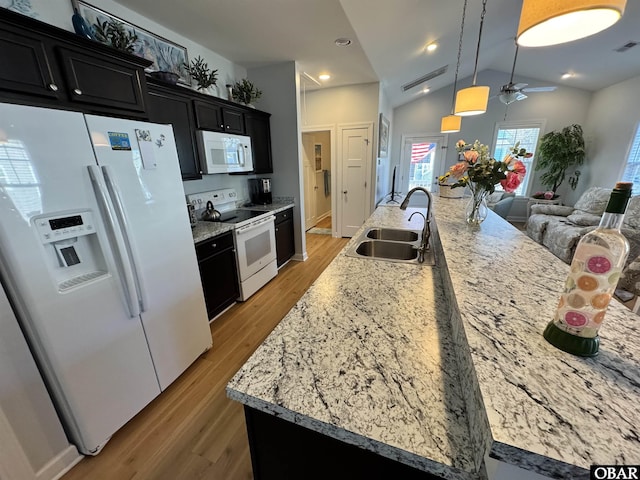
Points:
(199, 71)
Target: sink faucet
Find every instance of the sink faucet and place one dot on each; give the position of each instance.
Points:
(426, 231)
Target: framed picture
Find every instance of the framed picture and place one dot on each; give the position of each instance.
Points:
(317, 154)
(165, 55)
(383, 137)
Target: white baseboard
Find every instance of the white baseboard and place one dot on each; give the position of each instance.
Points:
(60, 464)
(300, 257)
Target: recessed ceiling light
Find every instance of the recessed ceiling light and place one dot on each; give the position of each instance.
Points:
(432, 47)
(426, 90)
(343, 42)
(567, 75)
(324, 76)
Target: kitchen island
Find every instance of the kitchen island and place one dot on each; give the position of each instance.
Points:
(434, 367)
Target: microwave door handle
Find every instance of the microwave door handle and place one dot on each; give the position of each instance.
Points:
(122, 261)
(241, 155)
(116, 197)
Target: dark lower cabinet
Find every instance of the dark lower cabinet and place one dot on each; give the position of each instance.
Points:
(218, 272)
(167, 106)
(284, 450)
(285, 244)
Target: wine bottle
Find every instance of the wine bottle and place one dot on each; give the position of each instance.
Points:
(595, 271)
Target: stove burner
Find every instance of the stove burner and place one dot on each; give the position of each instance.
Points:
(237, 216)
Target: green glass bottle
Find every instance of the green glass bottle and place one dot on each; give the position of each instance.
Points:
(595, 271)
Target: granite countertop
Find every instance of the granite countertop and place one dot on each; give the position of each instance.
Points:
(368, 356)
(205, 230)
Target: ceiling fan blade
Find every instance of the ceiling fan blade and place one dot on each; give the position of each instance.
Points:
(520, 96)
(549, 88)
(519, 86)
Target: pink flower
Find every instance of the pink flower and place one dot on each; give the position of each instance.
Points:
(519, 168)
(512, 182)
(549, 195)
(528, 155)
(459, 169)
(471, 156)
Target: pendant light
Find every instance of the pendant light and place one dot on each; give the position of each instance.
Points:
(452, 123)
(474, 100)
(550, 22)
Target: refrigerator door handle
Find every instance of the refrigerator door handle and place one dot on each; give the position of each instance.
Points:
(116, 197)
(122, 260)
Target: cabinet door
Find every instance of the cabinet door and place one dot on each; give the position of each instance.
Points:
(219, 276)
(167, 107)
(103, 80)
(257, 127)
(208, 116)
(25, 66)
(233, 121)
(285, 246)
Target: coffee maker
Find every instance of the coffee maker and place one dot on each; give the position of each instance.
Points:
(260, 191)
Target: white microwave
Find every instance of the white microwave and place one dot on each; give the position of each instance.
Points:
(224, 153)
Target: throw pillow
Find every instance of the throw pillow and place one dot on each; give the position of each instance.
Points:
(632, 216)
(494, 198)
(594, 200)
(583, 219)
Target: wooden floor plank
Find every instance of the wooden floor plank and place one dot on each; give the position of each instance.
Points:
(192, 430)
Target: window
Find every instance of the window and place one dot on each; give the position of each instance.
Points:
(421, 165)
(632, 170)
(507, 135)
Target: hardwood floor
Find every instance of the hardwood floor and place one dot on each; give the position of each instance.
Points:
(192, 430)
(324, 223)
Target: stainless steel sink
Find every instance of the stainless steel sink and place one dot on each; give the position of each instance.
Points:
(393, 234)
(391, 245)
(388, 250)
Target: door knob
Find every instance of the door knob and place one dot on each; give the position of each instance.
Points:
(345, 192)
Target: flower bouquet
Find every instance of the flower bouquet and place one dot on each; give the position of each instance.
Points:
(481, 173)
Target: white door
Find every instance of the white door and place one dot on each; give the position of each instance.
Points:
(146, 182)
(310, 187)
(422, 160)
(356, 155)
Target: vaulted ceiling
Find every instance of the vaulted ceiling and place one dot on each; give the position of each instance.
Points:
(389, 39)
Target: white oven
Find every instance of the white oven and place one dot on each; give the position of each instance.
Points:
(255, 254)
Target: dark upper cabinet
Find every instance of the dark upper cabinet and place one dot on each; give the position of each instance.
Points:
(167, 106)
(216, 116)
(102, 81)
(257, 127)
(26, 68)
(46, 66)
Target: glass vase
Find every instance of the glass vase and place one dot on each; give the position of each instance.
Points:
(476, 210)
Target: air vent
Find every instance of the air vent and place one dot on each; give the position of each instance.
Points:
(425, 78)
(626, 47)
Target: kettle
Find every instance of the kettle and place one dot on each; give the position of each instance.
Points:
(210, 214)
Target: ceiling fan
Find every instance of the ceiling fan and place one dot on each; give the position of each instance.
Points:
(512, 92)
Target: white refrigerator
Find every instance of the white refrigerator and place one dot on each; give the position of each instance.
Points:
(97, 257)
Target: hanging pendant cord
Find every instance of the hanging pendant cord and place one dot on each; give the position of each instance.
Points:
(455, 80)
(475, 70)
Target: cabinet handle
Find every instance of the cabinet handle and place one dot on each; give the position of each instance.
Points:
(214, 245)
(228, 127)
(53, 87)
(222, 125)
(77, 91)
(277, 229)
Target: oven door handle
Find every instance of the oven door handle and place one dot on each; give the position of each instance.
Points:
(252, 226)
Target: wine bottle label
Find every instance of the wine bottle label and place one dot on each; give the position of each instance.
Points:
(588, 291)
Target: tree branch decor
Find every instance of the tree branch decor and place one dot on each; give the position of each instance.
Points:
(199, 71)
(245, 92)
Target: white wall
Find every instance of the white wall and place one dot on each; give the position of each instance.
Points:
(560, 108)
(384, 166)
(280, 84)
(344, 105)
(611, 123)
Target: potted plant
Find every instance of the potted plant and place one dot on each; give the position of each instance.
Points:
(245, 92)
(113, 33)
(557, 152)
(199, 71)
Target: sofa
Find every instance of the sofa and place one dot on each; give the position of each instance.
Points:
(559, 228)
(501, 202)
